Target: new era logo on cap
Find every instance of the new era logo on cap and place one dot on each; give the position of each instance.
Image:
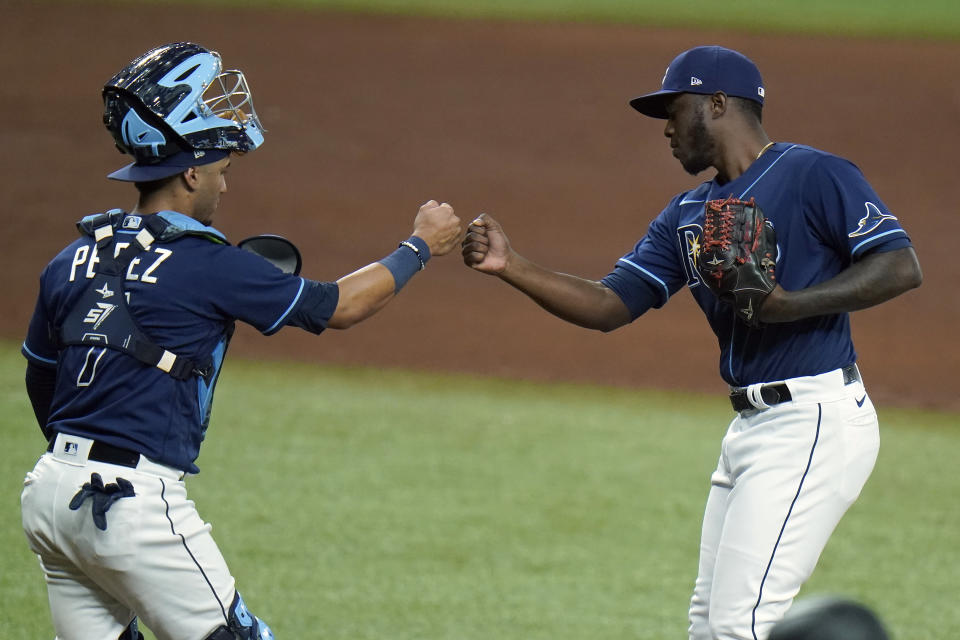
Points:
(695, 81)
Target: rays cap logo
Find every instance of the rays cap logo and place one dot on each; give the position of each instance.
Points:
(704, 70)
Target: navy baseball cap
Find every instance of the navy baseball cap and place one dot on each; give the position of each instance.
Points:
(704, 70)
(169, 166)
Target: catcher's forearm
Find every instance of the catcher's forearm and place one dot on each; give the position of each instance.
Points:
(365, 291)
(875, 279)
(362, 294)
(586, 303)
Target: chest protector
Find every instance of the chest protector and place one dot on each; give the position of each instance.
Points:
(101, 316)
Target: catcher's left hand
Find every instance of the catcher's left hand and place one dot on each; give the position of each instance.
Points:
(737, 256)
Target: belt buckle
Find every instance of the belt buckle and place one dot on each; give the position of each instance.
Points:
(770, 394)
(851, 374)
(759, 397)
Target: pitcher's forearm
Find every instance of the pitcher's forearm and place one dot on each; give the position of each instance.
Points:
(875, 279)
(583, 302)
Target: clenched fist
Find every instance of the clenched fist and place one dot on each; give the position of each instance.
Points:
(485, 246)
(437, 225)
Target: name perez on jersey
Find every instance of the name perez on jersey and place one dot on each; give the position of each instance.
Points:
(87, 255)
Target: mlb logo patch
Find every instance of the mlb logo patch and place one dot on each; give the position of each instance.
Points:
(71, 448)
(132, 222)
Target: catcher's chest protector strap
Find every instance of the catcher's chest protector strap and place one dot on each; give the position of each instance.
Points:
(101, 317)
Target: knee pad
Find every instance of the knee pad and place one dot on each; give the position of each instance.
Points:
(241, 624)
(132, 632)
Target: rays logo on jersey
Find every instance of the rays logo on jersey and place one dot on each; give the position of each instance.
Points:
(871, 221)
(688, 241)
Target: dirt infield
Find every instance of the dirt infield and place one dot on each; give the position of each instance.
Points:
(368, 117)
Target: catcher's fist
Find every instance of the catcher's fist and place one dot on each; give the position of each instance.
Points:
(437, 225)
(485, 246)
(737, 256)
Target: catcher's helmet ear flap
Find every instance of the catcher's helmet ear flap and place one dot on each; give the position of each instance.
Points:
(175, 98)
(137, 131)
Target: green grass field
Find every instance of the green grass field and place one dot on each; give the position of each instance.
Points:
(358, 504)
(889, 18)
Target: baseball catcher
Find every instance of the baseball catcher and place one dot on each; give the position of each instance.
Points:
(738, 255)
(125, 347)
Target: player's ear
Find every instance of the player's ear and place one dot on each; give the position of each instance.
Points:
(190, 177)
(718, 103)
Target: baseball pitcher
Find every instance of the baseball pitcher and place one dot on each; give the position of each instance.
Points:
(777, 249)
(129, 334)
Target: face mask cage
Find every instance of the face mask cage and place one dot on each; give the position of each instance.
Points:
(228, 96)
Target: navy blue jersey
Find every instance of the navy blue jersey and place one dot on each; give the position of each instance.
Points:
(826, 217)
(185, 295)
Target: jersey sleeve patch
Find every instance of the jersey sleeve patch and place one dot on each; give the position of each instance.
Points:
(848, 210)
(876, 229)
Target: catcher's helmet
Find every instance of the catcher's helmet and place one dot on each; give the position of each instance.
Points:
(829, 618)
(175, 98)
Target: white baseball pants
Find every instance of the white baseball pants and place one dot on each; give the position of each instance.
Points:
(156, 559)
(785, 477)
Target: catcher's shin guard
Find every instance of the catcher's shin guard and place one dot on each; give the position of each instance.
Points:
(241, 624)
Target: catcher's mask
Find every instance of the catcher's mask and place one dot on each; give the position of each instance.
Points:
(175, 98)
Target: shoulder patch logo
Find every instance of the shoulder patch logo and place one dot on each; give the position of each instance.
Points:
(871, 221)
(132, 222)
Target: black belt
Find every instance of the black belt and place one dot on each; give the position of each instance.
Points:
(103, 452)
(776, 393)
(770, 393)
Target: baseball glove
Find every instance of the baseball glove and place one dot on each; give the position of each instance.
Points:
(737, 256)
